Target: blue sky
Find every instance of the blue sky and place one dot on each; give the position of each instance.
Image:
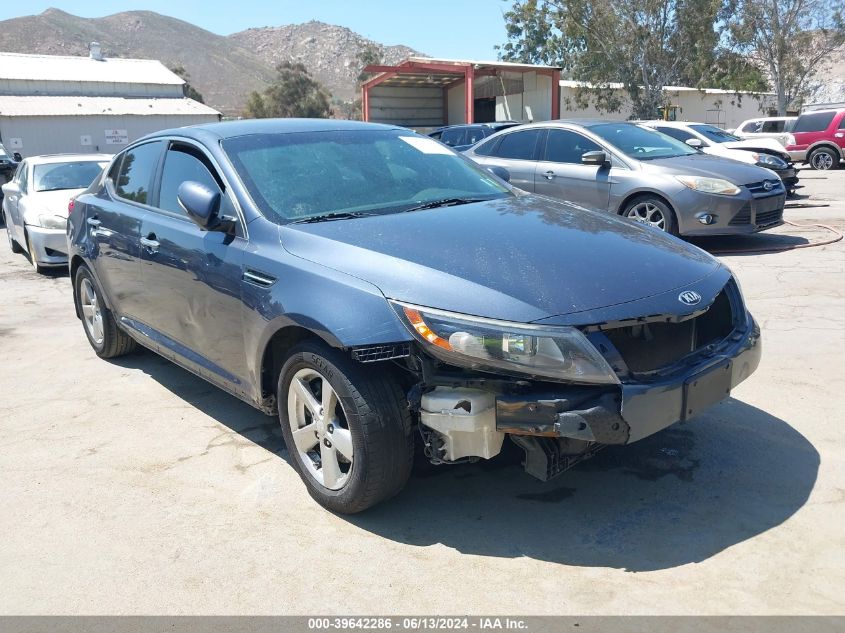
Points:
(465, 29)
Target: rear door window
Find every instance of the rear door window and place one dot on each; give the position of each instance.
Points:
(815, 122)
(519, 145)
(770, 127)
(135, 176)
(842, 123)
(675, 133)
(453, 137)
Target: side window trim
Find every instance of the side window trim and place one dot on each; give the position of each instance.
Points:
(113, 186)
(242, 230)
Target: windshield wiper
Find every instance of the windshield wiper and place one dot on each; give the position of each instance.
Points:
(444, 202)
(328, 217)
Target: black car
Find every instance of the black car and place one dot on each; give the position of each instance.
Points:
(464, 136)
(368, 285)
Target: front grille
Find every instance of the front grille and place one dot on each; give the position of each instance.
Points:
(649, 347)
(375, 353)
(769, 217)
(775, 186)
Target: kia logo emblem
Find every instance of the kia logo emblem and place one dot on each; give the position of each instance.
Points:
(689, 297)
(768, 185)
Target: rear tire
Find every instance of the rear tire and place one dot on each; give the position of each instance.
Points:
(653, 212)
(823, 159)
(353, 446)
(101, 329)
(13, 245)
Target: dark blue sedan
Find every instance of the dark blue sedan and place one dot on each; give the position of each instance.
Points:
(370, 286)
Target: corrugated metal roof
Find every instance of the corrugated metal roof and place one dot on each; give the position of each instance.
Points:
(108, 70)
(103, 106)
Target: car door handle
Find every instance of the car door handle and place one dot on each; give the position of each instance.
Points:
(93, 222)
(150, 244)
(839, 134)
(549, 175)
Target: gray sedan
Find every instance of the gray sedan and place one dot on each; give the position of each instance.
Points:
(638, 173)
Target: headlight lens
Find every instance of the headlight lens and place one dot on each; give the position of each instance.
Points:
(771, 162)
(50, 221)
(709, 185)
(555, 353)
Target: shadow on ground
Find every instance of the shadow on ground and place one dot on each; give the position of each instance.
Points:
(676, 498)
(740, 245)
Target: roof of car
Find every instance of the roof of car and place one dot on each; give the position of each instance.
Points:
(230, 129)
(67, 158)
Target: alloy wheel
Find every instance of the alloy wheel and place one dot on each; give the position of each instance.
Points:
(822, 161)
(648, 213)
(320, 431)
(91, 312)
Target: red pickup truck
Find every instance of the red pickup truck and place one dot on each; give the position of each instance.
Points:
(819, 139)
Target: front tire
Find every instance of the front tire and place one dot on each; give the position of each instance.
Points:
(653, 212)
(823, 159)
(101, 329)
(347, 428)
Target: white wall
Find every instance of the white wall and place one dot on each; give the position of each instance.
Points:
(62, 134)
(533, 104)
(456, 99)
(724, 109)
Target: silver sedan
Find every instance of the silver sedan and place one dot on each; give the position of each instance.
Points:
(35, 204)
(636, 172)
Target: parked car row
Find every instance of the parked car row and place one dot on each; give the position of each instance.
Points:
(368, 285)
(637, 172)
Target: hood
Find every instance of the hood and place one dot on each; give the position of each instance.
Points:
(708, 165)
(521, 258)
(770, 144)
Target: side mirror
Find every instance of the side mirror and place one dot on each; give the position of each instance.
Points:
(694, 142)
(594, 158)
(203, 207)
(11, 188)
(17, 156)
(501, 172)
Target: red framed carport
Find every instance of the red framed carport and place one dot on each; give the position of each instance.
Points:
(448, 74)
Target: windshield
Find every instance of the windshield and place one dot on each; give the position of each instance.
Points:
(57, 176)
(641, 143)
(715, 134)
(296, 176)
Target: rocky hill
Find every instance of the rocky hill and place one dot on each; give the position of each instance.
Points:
(329, 52)
(224, 69)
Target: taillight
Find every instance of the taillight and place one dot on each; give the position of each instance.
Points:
(70, 206)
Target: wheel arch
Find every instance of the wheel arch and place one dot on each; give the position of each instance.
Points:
(280, 340)
(646, 193)
(826, 144)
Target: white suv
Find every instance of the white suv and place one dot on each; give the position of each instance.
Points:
(771, 127)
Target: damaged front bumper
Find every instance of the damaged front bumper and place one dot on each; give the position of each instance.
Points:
(632, 411)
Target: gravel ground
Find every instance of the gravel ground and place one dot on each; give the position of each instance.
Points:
(132, 487)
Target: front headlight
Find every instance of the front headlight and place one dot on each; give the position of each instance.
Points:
(50, 221)
(553, 353)
(709, 185)
(771, 162)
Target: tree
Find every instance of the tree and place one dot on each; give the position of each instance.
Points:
(643, 45)
(188, 90)
(791, 40)
(294, 93)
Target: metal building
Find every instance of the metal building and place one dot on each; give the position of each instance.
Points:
(53, 104)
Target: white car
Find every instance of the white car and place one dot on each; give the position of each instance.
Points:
(763, 152)
(776, 127)
(35, 203)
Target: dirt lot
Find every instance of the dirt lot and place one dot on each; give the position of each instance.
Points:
(134, 487)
